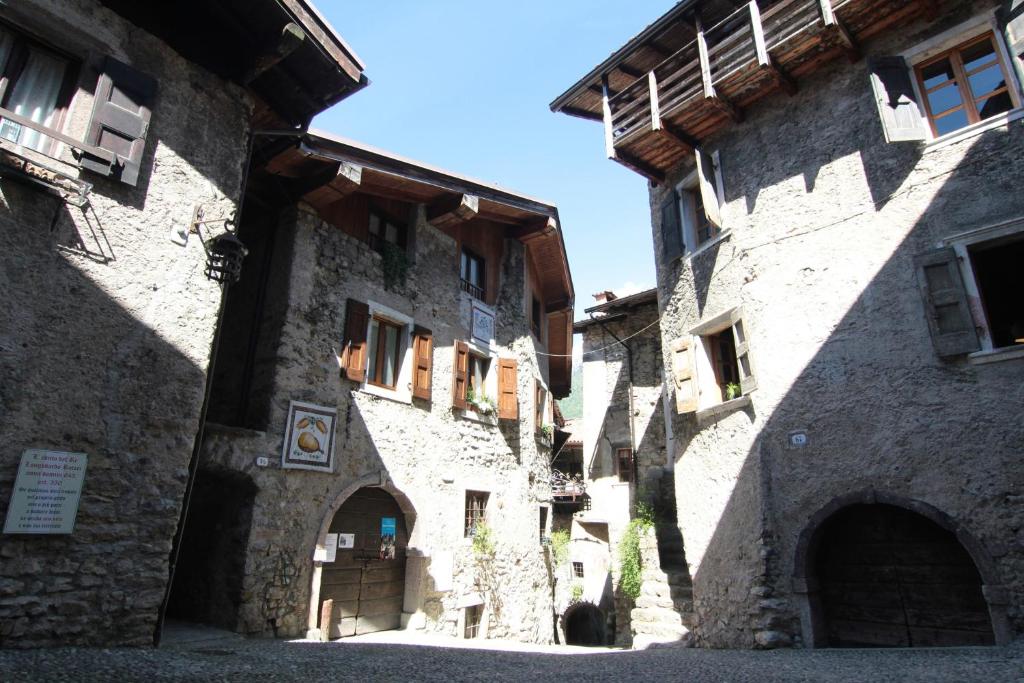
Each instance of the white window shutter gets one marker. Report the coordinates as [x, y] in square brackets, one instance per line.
[708, 187]
[1011, 19]
[896, 98]
[684, 375]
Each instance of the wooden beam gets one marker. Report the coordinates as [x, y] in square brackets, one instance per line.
[652, 91]
[335, 183]
[557, 306]
[757, 31]
[630, 71]
[726, 107]
[663, 51]
[705, 63]
[827, 15]
[453, 210]
[846, 40]
[606, 108]
[291, 37]
[666, 131]
[612, 92]
[783, 80]
[534, 229]
[648, 171]
[581, 113]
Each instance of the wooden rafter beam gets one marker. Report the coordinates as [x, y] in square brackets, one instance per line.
[764, 60]
[612, 92]
[581, 113]
[655, 175]
[291, 37]
[336, 182]
[630, 71]
[656, 47]
[557, 306]
[453, 210]
[846, 40]
[533, 229]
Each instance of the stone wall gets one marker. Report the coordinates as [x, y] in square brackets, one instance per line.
[823, 221]
[105, 332]
[425, 453]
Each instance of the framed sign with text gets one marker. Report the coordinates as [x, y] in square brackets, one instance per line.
[309, 437]
[46, 493]
[483, 325]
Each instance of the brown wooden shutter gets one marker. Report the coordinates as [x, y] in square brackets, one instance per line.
[120, 120]
[708, 187]
[353, 354]
[460, 374]
[684, 374]
[945, 302]
[671, 228]
[896, 100]
[423, 363]
[748, 382]
[508, 389]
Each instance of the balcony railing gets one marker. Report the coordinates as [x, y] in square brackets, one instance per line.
[567, 488]
[471, 289]
[728, 65]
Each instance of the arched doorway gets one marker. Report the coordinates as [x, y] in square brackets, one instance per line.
[366, 580]
[890, 577]
[584, 625]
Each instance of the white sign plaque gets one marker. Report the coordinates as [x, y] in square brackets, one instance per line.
[309, 439]
[46, 493]
[346, 541]
[483, 325]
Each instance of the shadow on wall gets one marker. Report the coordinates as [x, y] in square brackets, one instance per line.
[884, 415]
[79, 372]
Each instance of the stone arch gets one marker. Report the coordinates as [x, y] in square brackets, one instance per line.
[583, 623]
[377, 479]
[807, 586]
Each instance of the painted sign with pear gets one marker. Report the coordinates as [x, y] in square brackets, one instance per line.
[309, 438]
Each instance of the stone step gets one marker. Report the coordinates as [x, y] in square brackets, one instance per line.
[654, 615]
[661, 630]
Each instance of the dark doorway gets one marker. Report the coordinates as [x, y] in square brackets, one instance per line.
[367, 580]
[893, 578]
[208, 579]
[584, 625]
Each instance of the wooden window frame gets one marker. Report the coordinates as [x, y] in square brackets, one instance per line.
[472, 358]
[474, 617]
[10, 72]
[630, 457]
[476, 291]
[378, 241]
[577, 570]
[381, 350]
[962, 83]
[536, 313]
[471, 517]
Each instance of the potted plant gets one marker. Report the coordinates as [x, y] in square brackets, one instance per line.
[732, 390]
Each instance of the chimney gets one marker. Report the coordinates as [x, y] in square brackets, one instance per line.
[604, 297]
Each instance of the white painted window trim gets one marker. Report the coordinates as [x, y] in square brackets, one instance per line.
[961, 243]
[490, 384]
[704, 368]
[463, 487]
[948, 39]
[403, 385]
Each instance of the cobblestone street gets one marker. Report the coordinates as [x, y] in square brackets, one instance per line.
[395, 660]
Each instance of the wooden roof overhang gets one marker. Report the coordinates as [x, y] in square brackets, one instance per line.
[322, 170]
[702, 64]
[283, 51]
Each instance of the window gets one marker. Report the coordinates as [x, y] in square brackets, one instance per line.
[471, 274]
[964, 85]
[543, 524]
[474, 615]
[624, 464]
[577, 570]
[476, 509]
[535, 317]
[383, 230]
[384, 346]
[691, 217]
[33, 84]
[479, 368]
[712, 365]
[984, 266]
[540, 406]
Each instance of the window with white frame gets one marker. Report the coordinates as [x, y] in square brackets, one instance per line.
[691, 215]
[971, 291]
[712, 365]
[953, 82]
[378, 351]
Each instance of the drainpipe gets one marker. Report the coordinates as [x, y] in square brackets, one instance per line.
[629, 375]
[193, 464]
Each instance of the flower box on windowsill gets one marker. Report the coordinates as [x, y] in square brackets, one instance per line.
[543, 439]
[724, 408]
[477, 416]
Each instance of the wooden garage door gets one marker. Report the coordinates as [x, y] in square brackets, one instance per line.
[367, 591]
[892, 578]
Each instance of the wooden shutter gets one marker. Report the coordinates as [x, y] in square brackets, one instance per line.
[423, 363]
[508, 389]
[1011, 19]
[671, 228]
[684, 375]
[745, 366]
[353, 354]
[708, 187]
[945, 302]
[120, 120]
[896, 100]
[460, 375]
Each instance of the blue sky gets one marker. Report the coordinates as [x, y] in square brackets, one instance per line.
[465, 85]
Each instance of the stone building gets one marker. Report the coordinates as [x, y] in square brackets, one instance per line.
[838, 247]
[118, 120]
[379, 447]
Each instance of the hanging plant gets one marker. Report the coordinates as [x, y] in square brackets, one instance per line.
[396, 265]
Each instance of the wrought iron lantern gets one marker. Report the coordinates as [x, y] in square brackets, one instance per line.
[224, 256]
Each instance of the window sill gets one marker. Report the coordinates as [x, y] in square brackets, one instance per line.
[389, 394]
[720, 237]
[974, 129]
[473, 416]
[723, 408]
[996, 355]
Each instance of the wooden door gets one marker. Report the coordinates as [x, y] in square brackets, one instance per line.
[892, 578]
[367, 590]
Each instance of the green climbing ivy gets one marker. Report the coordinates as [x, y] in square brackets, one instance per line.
[560, 546]
[630, 566]
[483, 541]
[396, 265]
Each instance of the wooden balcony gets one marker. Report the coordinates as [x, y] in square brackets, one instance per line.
[743, 53]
